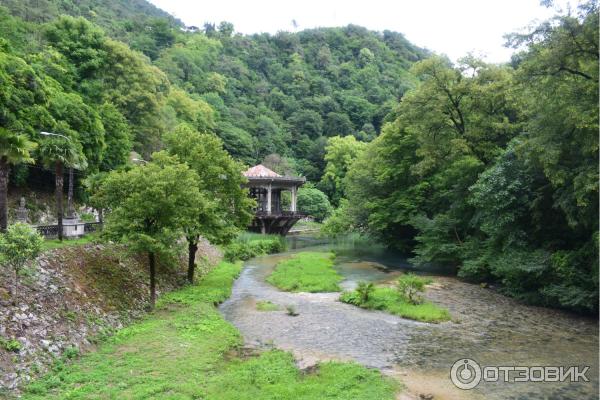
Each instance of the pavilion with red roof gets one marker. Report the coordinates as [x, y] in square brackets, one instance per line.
[266, 187]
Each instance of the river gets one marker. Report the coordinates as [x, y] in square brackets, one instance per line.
[486, 326]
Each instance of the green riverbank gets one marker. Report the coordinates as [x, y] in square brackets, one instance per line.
[186, 350]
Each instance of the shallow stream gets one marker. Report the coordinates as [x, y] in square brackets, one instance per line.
[487, 327]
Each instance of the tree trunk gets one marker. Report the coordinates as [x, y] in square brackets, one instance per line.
[192, 248]
[4, 171]
[70, 209]
[100, 215]
[59, 198]
[152, 264]
[16, 288]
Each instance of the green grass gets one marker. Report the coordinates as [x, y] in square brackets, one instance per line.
[50, 244]
[389, 300]
[266, 306]
[306, 272]
[185, 350]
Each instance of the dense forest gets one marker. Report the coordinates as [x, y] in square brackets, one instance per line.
[493, 169]
[488, 169]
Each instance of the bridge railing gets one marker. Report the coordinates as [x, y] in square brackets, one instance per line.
[279, 214]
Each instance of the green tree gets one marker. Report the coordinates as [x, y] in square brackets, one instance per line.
[84, 121]
[14, 149]
[93, 184]
[18, 245]
[117, 136]
[558, 80]
[109, 71]
[340, 222]
[340, 153]
[338, 124]
[57, 153]
[306, 122]
[225, 208]
[150, 205]
[313, 202]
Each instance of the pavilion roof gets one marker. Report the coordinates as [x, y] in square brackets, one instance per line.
[260, 171]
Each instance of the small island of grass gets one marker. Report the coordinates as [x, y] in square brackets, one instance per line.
[404, 300]
[266, 305]
[306, 272]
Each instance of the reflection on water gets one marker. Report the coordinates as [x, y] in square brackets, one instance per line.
[486, 326]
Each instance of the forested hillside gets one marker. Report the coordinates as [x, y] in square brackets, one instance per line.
[137, 22]
[491, 170]
[263, 94]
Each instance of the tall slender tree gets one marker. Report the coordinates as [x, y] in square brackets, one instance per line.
[14, 149]
[56, 153]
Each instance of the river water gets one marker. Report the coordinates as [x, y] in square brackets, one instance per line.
[486, 326]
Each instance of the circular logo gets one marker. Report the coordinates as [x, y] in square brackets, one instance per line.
[465, 374]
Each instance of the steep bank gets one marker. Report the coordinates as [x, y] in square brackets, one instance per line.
[71, 297]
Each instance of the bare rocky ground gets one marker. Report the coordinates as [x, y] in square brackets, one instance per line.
[71, 298]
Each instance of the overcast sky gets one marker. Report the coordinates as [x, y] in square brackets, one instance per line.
[451, 27]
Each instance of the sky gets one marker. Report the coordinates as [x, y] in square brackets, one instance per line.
[450, 27]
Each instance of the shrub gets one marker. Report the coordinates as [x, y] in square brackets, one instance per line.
[364, 291]
[20, 244]
[10, 344]
[410, 286]
[351, 297]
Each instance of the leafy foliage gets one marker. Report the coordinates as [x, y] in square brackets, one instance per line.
[245, 249]
[19, 245]
[494, 169]
[314, 203]
[151, 205]
[410, 286]
[340, 152]
[364, 291]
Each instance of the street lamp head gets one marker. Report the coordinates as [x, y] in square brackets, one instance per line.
[54, 134]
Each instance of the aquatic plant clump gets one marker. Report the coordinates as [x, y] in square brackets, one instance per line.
[403, 301]
[307, 272]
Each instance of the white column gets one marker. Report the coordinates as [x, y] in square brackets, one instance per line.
[293, 191]
[269, 199]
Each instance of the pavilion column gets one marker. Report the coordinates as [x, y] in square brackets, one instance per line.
[293, 207]
[269, 199]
